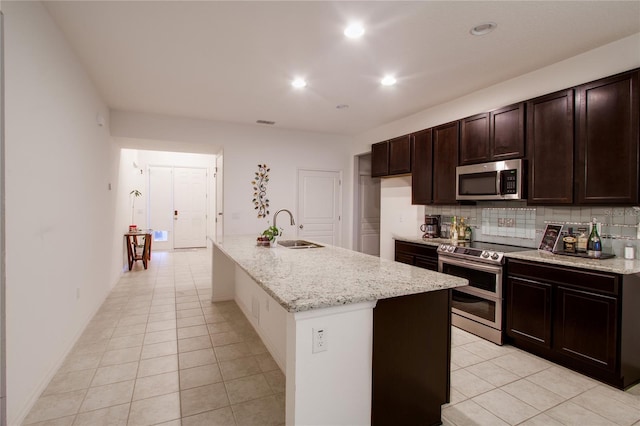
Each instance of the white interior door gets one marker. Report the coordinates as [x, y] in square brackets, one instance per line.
[369, 206]
[190, 207]
[319, 206]
[219, 197]
[161, 207]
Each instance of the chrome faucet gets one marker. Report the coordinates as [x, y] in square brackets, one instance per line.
[275, 217]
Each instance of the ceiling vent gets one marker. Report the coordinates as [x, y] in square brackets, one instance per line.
[270, 123]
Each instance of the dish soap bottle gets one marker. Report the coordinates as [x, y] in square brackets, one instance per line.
[594, 245]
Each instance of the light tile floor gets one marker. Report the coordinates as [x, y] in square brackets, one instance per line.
[502, 385]
[158, 352]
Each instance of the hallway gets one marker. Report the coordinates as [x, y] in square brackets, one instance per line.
[158, 352]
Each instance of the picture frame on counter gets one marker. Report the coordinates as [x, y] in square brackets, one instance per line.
[550, 238]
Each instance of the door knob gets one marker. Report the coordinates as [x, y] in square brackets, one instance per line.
[301, 226]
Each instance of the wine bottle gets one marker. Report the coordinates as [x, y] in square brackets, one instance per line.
[594, 245]
[454, 229]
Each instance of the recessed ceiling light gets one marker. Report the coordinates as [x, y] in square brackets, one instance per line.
[298, 83]
[484, 28]
[354, 30]
[388, 80]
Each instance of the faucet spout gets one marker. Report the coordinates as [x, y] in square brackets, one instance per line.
[275, 217]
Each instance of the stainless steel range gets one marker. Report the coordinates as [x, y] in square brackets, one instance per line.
[477, 308]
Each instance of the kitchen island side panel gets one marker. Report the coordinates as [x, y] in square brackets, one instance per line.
[411, 358]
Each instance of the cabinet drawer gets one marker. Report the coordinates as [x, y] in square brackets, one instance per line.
[426, 263]
[404, 258]
[587, 280]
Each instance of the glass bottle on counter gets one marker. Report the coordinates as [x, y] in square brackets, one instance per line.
[594, 245]
[454, 229]
[461, 229]
[582, 238]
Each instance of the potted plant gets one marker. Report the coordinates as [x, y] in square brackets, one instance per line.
[272, 233]
[134, 194]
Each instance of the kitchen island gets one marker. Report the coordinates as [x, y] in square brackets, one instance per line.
[361, 340]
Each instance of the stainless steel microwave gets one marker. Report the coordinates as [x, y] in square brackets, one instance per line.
[499, 180]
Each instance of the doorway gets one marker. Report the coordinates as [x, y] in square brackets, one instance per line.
[178, 206]
[366, 229]
[320, 206]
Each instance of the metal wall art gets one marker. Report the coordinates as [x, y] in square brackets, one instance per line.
[260, 200]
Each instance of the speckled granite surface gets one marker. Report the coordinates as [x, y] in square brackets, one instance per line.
[617, 265]
[304, 279]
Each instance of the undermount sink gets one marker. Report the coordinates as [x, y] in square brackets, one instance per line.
[298, 244]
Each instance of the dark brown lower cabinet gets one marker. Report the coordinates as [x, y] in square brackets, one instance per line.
[411, 359]
[586, 327]
[585, 320]
[529, 311]
[419, 255]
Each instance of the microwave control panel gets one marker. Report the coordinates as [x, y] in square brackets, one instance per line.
[509, 182]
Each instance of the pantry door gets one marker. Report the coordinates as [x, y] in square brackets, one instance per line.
[189, 207]
[319, 206]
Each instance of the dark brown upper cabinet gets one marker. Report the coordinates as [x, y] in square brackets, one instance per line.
[422, 168]
[507, 132]
[474, 139]
[391, 157]
[380, 159]
[550, 148]
[607, 113]
[493, 136]
[445, 159]
[400, 155]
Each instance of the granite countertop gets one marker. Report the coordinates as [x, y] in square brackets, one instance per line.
[305, 279]
[616, 265]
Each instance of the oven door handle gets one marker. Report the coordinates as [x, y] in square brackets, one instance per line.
[478, 292]
[471, 265]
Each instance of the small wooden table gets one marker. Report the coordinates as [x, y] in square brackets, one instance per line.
[138, 250]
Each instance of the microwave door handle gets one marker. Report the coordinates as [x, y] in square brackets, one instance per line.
[498, 183]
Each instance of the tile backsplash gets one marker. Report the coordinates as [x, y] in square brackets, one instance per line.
[515, 223]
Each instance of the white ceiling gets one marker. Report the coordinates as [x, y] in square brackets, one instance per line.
[233, 61]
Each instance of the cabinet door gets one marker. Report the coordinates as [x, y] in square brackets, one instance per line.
[445, 161]
[507, 132]
[474, 139]
[529, 311]
[380, 159]
[550, 148]
[586, 327]
[400, 155]
[607, 140]
[422, 168]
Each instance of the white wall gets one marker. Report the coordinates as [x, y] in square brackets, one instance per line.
[610, 59]
[244, 148]
[59, 212]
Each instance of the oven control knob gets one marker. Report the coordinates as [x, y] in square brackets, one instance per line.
[495, 256]
[485, 254]
[450, 249]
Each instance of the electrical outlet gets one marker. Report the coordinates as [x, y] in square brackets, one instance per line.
[319, 339]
